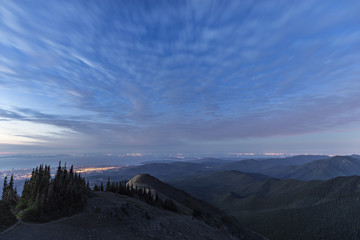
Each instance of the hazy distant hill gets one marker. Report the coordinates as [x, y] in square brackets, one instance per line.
[170, 171]
[324, 169]
[211, 161]
[179, 170]
[314, 168]
[285, 209]
[295, 160]
[271, 167]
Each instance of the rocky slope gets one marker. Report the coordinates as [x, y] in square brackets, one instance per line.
[113, 216]
[187, 205]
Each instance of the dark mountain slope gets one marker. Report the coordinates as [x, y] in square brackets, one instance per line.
[113, 216]
[331, 220]
[188, 205]
[312, 210]
[289, 209]
[275, 193]
[215, 185]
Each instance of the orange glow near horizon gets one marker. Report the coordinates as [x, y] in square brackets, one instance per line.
[95, 169]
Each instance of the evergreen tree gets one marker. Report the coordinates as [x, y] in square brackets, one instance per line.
[107, 189]
[143, 194]
[9, 195]
[44, 198]
[5, 186]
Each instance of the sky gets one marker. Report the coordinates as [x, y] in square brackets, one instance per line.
[180, 76]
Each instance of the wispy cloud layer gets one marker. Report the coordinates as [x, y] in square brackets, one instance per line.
[145, 74]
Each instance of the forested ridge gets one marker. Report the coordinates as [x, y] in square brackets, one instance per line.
[44, 198]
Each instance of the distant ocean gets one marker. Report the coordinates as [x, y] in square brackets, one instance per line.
[13, 162]
[22, 161]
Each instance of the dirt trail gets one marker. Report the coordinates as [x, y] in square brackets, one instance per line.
[11, 227]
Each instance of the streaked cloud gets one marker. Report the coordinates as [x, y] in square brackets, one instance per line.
[130, 74]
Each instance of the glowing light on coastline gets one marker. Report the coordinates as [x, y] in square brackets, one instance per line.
[95, 169]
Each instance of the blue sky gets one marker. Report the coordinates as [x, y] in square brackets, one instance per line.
[180, 76]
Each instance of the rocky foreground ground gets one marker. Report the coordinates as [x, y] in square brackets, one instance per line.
[113, 216]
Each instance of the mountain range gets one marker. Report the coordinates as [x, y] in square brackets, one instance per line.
[300, 197]
[303, 167]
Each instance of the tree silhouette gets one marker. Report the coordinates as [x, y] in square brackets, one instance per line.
[44, 198]
[9, 195]
[144, 194]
